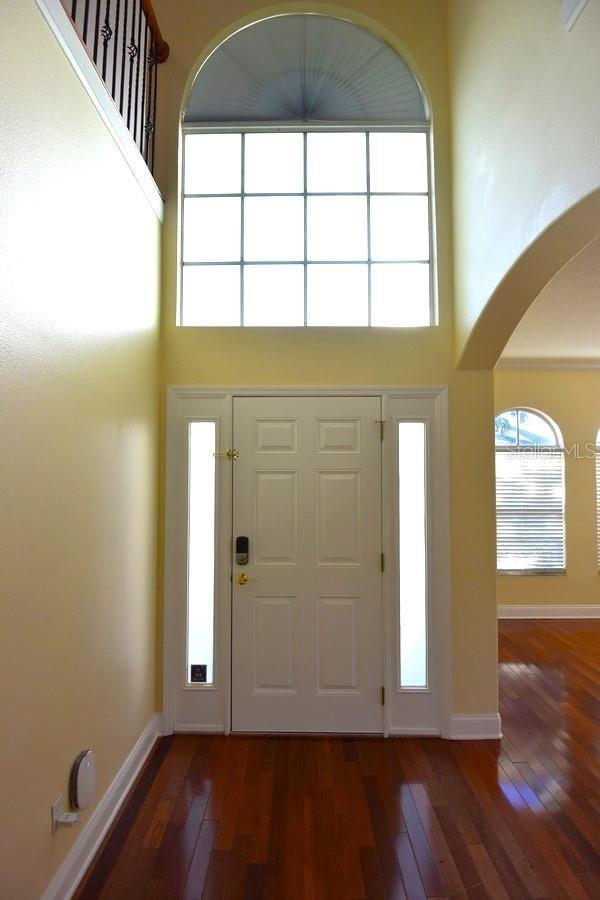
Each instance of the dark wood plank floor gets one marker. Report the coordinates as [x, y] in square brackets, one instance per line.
[287, 818]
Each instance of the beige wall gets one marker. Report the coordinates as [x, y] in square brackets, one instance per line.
[571, 399]
[355, 356]
[78, 394]
[525, 145]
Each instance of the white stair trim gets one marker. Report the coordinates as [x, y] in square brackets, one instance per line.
[550, 611]
[79, 857]
[475, 727]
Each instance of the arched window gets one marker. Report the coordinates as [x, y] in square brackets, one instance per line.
[305, 183]
[530, 493]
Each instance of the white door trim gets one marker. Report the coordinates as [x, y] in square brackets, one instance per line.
[179, 397]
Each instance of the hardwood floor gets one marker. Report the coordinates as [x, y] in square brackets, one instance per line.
[291, 818]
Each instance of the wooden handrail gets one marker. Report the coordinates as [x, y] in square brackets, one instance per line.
[162, 48]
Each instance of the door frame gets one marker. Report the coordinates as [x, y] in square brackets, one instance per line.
[428, 710]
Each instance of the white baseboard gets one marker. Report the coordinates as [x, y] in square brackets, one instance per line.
[403, 731]
[77, 861]
[198, 729]
[554, 611]
[475, 727]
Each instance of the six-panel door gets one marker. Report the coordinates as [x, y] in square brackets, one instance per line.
[307, 615]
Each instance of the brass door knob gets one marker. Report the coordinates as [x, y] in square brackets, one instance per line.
[242, 578]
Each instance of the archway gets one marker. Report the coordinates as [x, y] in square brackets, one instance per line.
[541, 261]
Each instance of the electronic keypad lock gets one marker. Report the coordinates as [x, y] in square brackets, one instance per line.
[241, 550]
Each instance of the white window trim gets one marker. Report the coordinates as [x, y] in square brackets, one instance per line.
[286, 127]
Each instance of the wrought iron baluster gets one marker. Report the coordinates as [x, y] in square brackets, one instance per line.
[143, 96]
[132, 51]
[153, 121]
[86, 16]
[107, 33]
[113, 91]
[123, 56]
[96, 31]
[74, 10]
[149, 123]
[137, 78]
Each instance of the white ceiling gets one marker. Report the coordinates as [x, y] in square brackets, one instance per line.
[563, 323]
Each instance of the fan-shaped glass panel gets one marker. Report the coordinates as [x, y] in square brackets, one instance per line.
[525, 428]
[305, 68]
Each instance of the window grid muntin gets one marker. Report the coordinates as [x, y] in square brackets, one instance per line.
[242, 221]
[305, 185]
[369, 239]
[244, 129]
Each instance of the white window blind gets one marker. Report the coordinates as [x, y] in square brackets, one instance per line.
[530, 509]
[305, 68]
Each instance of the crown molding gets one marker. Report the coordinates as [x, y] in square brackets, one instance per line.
[550, 363]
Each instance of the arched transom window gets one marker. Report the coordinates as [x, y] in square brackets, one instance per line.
[530, 493]
[305, 188]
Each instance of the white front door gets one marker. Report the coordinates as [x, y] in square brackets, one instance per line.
[307, 643]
